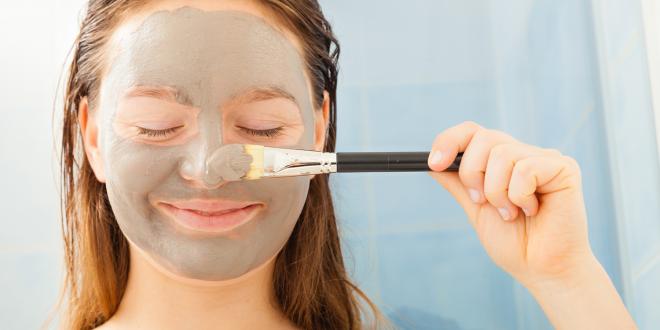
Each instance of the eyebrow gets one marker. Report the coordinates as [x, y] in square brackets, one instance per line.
[175, 95]
[261, 94]
[160, 92]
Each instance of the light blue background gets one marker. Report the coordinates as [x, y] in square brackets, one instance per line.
[534, 69]
[567, 74]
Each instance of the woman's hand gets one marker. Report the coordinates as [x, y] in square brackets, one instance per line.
[526, 205]
[525, 202]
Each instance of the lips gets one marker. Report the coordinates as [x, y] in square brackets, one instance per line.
[215, 216]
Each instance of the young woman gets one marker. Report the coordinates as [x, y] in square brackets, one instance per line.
[155, 240]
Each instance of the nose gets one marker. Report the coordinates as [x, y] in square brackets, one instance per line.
[194, 166]
[227, 163]
[195, 172]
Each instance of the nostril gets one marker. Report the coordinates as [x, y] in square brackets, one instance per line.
[198, 176]
[195, 171]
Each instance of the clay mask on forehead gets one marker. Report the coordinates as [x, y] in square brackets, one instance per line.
[207, 57]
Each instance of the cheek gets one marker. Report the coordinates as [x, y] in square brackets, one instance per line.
[134, 170]
[286, 198]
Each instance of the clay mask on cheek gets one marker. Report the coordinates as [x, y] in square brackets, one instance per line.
[208, 57]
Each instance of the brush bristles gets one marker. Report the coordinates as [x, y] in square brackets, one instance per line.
[257, 166]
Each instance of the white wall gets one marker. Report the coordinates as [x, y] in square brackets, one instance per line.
[35, 37]
[651, 11]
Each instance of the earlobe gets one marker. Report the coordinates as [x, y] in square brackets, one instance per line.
[89, 132]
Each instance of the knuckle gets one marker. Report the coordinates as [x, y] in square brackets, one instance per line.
[470, 124]
[516, 196]
[482, 135]
[463, 171]
[438, 138]
[502, 136]
[572, 163]
[440, 142]
[468, 174]
[523, 169]
[553, 152]
[491, 193]
[498, 152]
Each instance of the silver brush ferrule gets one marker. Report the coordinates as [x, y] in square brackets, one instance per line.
[291, 162]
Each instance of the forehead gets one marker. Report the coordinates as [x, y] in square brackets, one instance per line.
[197, 51]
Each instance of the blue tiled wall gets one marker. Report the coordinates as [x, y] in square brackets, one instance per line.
[413, 68]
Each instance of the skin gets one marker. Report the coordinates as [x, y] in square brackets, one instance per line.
[526, 206]
[227, 81]
[241, 55]
[547, 251]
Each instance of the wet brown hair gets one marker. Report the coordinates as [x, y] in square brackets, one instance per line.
[310, 281]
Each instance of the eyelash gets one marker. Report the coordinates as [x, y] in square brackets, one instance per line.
[164, 132]
[157, 132]
[265, 133]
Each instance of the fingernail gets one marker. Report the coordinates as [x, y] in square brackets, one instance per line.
[436, 157]
[526, 211]
[504, 213]
[474, 195]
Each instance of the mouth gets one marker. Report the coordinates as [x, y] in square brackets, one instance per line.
[215, 216]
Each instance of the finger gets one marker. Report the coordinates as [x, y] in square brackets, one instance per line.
[449, 143]
[453, 184]
[475, 159]
[542, 175]
[501, 161]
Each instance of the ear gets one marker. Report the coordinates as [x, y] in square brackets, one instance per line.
[89, 131]
[321, 122]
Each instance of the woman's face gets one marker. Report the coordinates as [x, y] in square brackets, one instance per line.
[179, 86]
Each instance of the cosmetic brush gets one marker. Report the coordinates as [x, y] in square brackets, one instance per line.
[280, 162]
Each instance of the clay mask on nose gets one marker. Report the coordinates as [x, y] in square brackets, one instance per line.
[207, 57]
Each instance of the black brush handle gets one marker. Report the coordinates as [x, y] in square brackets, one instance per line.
[388, 162]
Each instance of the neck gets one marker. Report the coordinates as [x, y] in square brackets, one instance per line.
[157, 299]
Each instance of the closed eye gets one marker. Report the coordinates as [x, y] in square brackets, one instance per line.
[158, 132]
[272, 132]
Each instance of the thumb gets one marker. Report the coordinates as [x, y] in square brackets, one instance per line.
[453, 184]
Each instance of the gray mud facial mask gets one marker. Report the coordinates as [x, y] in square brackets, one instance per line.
[209, 56]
